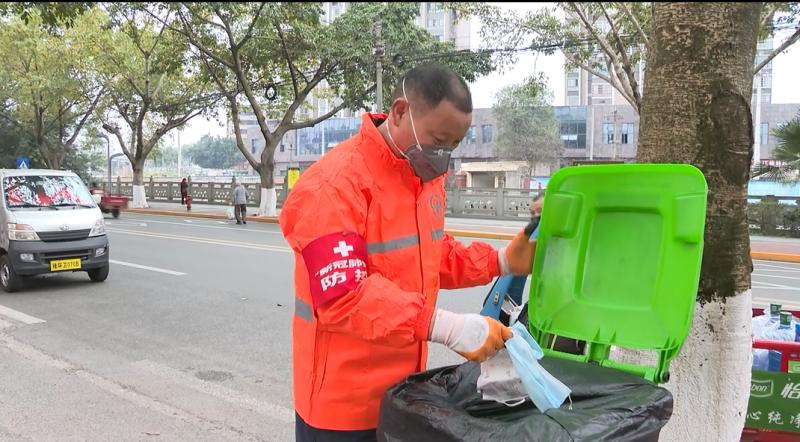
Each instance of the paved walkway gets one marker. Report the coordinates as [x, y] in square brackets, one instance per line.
[763, 247]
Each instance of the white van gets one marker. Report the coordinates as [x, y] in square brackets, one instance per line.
[49, 223]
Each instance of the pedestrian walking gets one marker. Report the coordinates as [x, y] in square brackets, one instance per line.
[240, 203]
[184, 190]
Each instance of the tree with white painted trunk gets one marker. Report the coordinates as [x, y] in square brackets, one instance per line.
[272, 58]
[153, 84]
[696, 109]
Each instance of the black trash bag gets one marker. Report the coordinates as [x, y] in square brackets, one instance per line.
[443, 405]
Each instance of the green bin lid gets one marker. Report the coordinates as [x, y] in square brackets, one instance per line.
[618, 260]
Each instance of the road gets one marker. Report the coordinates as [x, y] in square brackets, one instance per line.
[189, 339]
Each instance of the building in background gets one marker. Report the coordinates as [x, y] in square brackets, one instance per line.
[443, 24]
[589, 133]
[765, 47]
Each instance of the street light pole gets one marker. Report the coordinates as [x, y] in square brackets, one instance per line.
[379, 52]
[108, 151]
[757, 128]
[180, 154]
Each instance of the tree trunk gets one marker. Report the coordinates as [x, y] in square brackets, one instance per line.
[52, 159]
[696, 109]
[139, 195]
[269, 198]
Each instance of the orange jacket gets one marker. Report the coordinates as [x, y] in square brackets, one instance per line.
[370, 257]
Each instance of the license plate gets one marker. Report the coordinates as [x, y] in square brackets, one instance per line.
[65, 264]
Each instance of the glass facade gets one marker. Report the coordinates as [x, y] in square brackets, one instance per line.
[627, 133]
[486, 131]
[608, 133]
[572, 123]
[323, 137]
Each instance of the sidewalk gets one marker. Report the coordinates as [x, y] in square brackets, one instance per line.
[762, 247]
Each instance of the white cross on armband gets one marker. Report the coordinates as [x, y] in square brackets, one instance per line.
[344, 249]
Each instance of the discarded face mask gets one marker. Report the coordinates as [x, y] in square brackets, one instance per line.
[500, 382]
[515, 373]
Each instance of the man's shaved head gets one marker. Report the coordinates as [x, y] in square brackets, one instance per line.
[432, 83]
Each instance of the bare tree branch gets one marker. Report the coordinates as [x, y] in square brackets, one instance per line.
[254, 163]
[190, 36]
[590, 28]
[623, 86]
[249, 33]
[114, 130]
[315, 121]
[319, 75]
[607, 78]
[769, 17]
[244, 83]
[220, 83]
[630, 86]
[636, 23]
[86, 116]
[11, 120]
[158, 37]
[292, 68]
[789, 41]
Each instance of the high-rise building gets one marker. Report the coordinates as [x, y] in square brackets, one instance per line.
[765, 74]
[583, 88]
[441, 22]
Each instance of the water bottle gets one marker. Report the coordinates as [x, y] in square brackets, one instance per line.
[763, 325]
[763, 328]
[785, 333]
[760, 359]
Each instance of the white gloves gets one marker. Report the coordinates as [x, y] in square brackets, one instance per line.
[474, 337]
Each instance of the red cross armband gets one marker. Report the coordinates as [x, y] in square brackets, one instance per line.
[336, 264]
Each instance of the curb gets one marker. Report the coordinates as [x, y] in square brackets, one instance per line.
[766, 256]
[480, 235]
[782, 257]
[258, 219]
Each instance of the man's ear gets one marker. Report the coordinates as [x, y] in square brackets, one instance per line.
[398, 110]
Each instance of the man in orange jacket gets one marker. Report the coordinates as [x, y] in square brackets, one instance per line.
[366, 223]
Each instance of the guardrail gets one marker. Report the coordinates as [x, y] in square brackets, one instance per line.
[205, 192]
[768, 215]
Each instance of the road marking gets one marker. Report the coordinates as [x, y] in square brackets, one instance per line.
[19, 316]
[152, 269]
[206, 226]
[772, 285]
[126, 223]
[188, 221]
[218, 242]
[776, 276]
[788, 269]
[759, 269]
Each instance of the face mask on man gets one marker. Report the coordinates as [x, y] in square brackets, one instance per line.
[428, 161]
